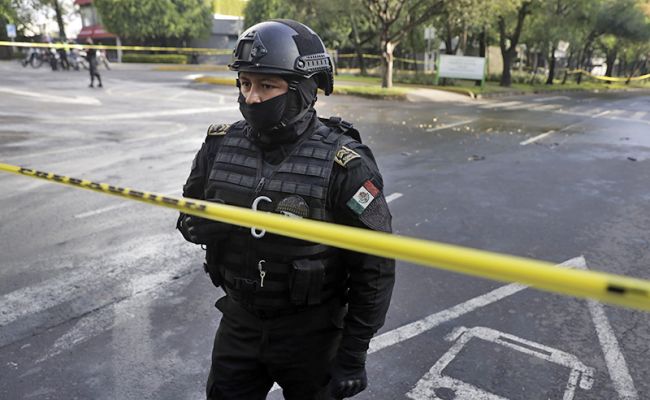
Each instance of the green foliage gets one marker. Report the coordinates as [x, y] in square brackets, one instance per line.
[156, 20]
[155, 58]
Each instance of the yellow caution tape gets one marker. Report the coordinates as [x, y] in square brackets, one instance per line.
[404, 60]
[110, 47]
[610, 78]
[609, 288]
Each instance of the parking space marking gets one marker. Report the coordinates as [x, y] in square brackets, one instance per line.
[580, 376]
[552, 98]
[150, 114]
[500, 105]
[121, 204]
[393, 196]
[536, 138]
[85, 100]
[614, 358]
[438, 128]
[639, 114]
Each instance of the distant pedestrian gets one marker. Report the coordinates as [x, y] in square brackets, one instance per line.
[63, 56]
[91, 57]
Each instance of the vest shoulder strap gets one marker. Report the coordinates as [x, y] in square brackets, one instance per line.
[345, 127]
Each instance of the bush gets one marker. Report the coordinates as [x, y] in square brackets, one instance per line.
[155, 58]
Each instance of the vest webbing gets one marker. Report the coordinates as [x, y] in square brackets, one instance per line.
[239, 176]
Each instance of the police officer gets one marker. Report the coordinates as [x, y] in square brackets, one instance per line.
[298, 313]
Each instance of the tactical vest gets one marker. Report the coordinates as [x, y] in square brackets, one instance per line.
[273, 272]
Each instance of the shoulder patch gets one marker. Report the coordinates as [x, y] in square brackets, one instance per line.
[218, 129]
[345, 155]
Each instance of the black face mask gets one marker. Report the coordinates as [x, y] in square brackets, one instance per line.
[263, 116]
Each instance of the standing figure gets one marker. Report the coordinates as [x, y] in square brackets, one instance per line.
[297, 313]
[91, 57]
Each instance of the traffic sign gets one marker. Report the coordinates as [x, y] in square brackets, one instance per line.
[11, 31]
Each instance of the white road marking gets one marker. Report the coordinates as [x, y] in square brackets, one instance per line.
[614, 358]
[416, 328]
[552, 98]
[166, 113]
[53, 99]
[500, 105]
[545, 107]
[97, 322]
[393, 196]
[518, 106]
[37, 298]
[601, 114]
[180, 129]
[438, 128]
[121, 204]
[639, 114]
[580, 374]
[192, 77]
[536, 138]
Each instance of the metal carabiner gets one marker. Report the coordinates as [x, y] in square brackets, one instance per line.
[254, 231]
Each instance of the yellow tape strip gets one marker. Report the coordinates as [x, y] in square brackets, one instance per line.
[609, 78]
[609, 288]
[405, 60]
[110, 47]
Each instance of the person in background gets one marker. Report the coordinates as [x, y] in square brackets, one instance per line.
[91, 57]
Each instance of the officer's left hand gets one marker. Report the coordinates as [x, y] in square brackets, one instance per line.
[202, 231]
[348, 376]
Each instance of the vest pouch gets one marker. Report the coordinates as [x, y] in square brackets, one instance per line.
[213, 273]
[306, 282]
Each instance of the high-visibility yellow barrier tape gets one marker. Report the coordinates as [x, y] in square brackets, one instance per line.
[111, 47]
[610, 78]
[404, 60]
[609, 288]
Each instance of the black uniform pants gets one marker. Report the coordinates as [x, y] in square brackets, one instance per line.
[250, 353]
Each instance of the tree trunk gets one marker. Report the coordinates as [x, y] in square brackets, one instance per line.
[59, 19]
[551, 67]
[568, 66]
[610, 59]
[482, 43]
[508, 52]
[506, 77]
[387, 48]
[357, 47]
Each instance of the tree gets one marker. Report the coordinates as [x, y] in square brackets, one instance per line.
[156, 21]
[619, 22]
[59, 10]
[394, 19]
[509, 38]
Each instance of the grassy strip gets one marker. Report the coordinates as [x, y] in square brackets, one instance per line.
[374, 92]
[201, 67]
[468, 88]
[369, 87]
[362, 90]
[216, 80]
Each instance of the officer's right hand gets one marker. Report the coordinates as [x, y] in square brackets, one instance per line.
[202, 231]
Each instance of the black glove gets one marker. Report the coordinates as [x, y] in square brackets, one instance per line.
[348, 375]
[202, 231]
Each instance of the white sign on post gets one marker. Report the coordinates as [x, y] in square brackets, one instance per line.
[11, 31]
[462, 67]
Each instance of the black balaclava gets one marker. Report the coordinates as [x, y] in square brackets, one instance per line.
[281, 119]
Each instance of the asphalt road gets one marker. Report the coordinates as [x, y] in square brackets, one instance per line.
[101, 299]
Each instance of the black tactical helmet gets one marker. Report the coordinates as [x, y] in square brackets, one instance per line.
[284, 47]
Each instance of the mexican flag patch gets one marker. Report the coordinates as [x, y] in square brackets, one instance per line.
[363, 197]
